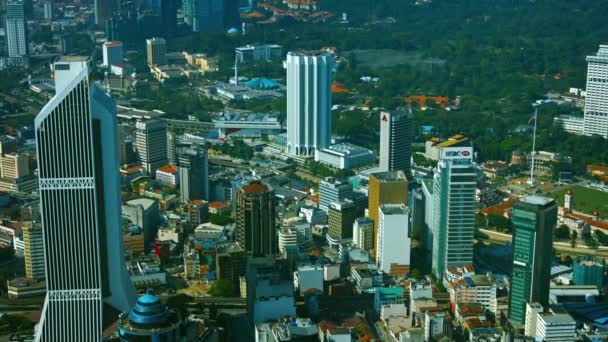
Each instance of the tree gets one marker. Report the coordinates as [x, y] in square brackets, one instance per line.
[499, 222]
[416, 274]
[562, 232]
[179, 302]
[480, 220]
[573, 237]
[600, 237]
[222, 288]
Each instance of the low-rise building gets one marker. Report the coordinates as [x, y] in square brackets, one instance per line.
[345, 156]
[201, 61]
[555, 327]
[308, 278]
[474, 289]
[168, 175]
[25, 287]
[258, 52]
[387, 295]
[366, 276]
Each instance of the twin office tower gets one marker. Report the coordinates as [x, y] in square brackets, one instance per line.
[76, 142]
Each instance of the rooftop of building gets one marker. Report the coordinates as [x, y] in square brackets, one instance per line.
[389, 176]
[390, 291]
[68, 59]
[453, 140]
[144, 202]
[347, 148]
[168, 168]
[218, 205]
[246, 117]
[536, 200]
[255, 187]
[252, 46]
[393, 209]
[113, 43]
[556, 318]
[309, 53]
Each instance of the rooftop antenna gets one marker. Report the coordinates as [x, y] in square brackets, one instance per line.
[535, 118]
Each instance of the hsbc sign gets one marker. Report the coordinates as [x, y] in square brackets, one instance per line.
[457, 153]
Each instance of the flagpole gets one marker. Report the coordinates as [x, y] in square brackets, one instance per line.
[533, 147]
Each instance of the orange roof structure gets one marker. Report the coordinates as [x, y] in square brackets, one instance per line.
[338, 87]
[218, 205]
[593, 223]
[255, 187]
[500, 208]
[168, 168]
[597, 168]
[442, 101]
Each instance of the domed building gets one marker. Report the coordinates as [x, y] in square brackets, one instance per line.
[149, 320]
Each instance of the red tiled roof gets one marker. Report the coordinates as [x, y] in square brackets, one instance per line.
[218, 205]
[593, 223]
[168, 168]
[255, 187]
[500, 208]
[598, 168]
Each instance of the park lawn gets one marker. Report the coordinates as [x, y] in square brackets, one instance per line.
[586, 200]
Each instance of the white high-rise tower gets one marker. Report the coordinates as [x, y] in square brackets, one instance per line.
[309, 76]
[16, 31]
[80, 207]
[596, 103]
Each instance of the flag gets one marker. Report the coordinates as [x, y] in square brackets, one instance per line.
[532, 118]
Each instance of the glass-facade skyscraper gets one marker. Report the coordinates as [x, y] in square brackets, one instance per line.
[533, 220]
[80, 207]
[453, 224]
[396, 141]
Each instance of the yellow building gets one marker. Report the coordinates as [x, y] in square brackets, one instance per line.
[33, 250]
[201, 61]
[385, 188]
[133, 243]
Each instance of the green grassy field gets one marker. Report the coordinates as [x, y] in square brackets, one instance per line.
[586, 200]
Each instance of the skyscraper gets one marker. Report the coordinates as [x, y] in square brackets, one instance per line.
[394, 243]
[193, 174]
[454, 186]
[596, 102]
[341, 217]
[151, 144]
[104, 9]
[33, 250]
[385, 188]
[16, 32]
[204, 15]
[395, 141]
[309, 76]
[80, 207]
[255, 219]
[533, 220]
[112, 53]
[363, 233]
[156, 49]
[332, 190]
[168, 14]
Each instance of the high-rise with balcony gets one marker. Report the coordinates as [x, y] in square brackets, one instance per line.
[255, 219]
[395, 141]
[534, 218]
[453, 226]
[151, 144]
[79, 190]
[15, 30]
[385, 188]
[596, 102]
[309, 75]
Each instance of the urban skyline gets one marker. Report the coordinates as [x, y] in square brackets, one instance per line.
[222, 170]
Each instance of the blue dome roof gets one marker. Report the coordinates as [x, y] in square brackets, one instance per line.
[148, 311]
[261, 83]
[234, 30]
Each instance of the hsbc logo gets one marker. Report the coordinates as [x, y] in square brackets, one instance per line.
[456, 152]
